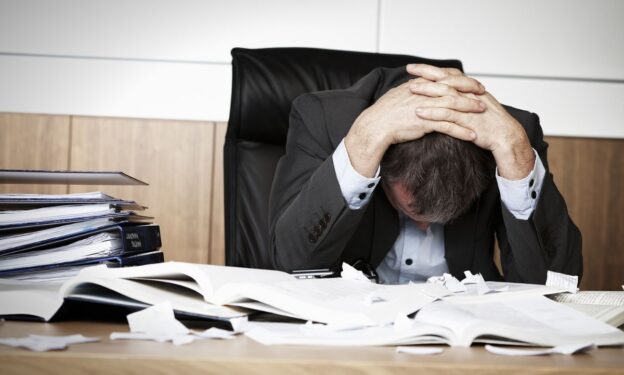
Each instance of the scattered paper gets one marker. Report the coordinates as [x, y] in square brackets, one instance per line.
[158, 323]
[215, 333]
[350, 273]
[157, 320]
[453, 285]
[449, 282]
[472, 279]
[561, 280]
[239, 324]
[315, 328]
[419, 350]
[403, 323]
[568, 349]
[39, 343]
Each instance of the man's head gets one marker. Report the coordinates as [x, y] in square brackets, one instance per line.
[435, 178]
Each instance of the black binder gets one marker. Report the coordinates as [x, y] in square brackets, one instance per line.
[136, 240]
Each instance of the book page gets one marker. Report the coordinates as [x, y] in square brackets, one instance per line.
[612, 298]
[208, 278]
[151, 293]
[612, 315]
[34, 299]
[334, 300]
[535, 320]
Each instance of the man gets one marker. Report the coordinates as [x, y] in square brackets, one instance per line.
[434, 135]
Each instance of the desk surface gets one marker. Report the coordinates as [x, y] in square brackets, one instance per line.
[245, 356]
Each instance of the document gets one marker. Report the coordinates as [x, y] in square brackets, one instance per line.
[533, 320]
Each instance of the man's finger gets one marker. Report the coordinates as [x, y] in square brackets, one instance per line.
[432, 89]
[464, 84]
[449, 128]
[430, 72]
[443, 114]
[458, 103]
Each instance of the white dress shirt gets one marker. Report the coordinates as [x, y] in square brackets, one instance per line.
[418, 254]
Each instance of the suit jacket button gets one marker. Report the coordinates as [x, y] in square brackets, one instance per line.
[327, 217]
[312, 238]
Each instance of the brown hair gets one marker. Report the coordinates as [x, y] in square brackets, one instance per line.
[444, 175]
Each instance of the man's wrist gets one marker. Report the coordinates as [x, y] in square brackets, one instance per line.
[514, 160]
[364, 148]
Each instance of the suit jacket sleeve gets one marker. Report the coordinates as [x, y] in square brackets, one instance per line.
[310, 223]
[548, 240]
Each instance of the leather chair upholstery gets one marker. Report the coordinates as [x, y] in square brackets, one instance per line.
[264, 83]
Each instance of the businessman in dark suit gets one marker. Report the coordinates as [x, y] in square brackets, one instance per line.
[416, 171]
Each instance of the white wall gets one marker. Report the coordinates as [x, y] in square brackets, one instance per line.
[170, 59]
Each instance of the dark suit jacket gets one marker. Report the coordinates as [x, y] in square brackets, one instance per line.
[312, 226]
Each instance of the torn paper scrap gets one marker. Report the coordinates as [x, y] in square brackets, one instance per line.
[472, 279]
[156, 320]
[453, 285]
[448, 281]
[561, 280]
[419, 350]
[39, 343]
[240, 324]
[567, 349]
[158, 323]
[215, 333]
[350, 273]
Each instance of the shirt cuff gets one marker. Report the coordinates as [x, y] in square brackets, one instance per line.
[520, 196]
[356, 189]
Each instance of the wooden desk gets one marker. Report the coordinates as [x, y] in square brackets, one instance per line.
[244, 356]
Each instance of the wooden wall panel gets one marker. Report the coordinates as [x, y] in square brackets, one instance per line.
[33, 142]
[174, 157]
[590, 175]
[183, 162]
[217, 227]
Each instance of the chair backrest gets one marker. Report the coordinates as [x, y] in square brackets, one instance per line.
[264, 83]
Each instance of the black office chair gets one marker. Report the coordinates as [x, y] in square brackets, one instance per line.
[264, 83]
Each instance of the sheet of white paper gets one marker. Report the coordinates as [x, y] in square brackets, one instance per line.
[239, 324]
[567, 349]
[215, 333]
[39, 343]
[470, 278]
[158, 323]
[567, 282]
[419, 350]
[350, 273]
[454, 285]
[157, 320]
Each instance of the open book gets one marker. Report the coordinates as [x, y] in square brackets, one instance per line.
[606, 306]
[520, 320]
[202, 290]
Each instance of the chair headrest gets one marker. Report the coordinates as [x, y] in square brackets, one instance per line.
[265, 82]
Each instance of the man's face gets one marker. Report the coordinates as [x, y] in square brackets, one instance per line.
[401, 199]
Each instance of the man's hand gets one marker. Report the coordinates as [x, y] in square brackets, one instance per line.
[496, 130]
[393, 119]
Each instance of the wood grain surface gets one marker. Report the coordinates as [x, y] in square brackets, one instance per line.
[174, 157]
[244, 356]
[34, 142]
[590, 175]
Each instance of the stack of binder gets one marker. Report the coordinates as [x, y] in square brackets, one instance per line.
[51, 237]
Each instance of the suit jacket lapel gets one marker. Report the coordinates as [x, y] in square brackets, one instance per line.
[459, 242]
[386, 227]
